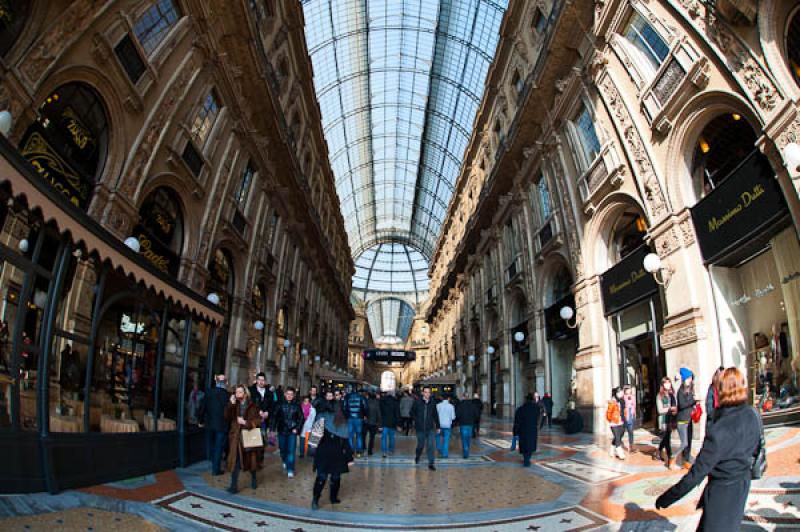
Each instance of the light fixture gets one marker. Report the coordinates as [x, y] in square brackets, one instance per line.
[490, 349]
[459, 363]
[791, 154]
[304, 352]
[287, 343]
[567, 314]
[449, 368]
[736, 116]
[703, 143]
[258, 325]
[652, 264]
[519, 336]
[471, 358]
[171, 348]
[6, 120]
[23, 245]
[213, 298]
[133, 243]
[316, 358]
[327, 363]
[40, 298]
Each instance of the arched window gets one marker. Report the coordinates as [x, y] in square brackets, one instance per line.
[628, 234]
[12, 20]
[222, 278]
[68, 142]
[388, 381]
[793, 45]
[724, 143]
[259, 300]
[160, 230]
[562, 286]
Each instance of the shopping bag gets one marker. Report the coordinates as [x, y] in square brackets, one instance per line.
[251, 438]
[317, 431]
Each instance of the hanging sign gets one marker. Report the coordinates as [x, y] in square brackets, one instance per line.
[56, 171]
[155, 252]
[739, 210]
[627, 282]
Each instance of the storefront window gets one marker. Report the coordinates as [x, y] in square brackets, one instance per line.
[725, 142]
[196, 377]
[67, 143]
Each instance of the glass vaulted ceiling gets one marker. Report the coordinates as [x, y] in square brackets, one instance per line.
[399, 83]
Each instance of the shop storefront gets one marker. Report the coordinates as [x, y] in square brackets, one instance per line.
[103, 355]
[633, 307]
[753, 259]
[562, 344]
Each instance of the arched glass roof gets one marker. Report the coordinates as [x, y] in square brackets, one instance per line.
[390, 320]
[399, 83]
[391, 268]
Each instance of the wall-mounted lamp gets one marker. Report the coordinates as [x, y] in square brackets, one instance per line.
[133, 243]
[258, 325]
[304, 352]
[567, 313]
[317, 358]
[519, 336]
[287, 343]
[652, 264]
[471, 358]
[490, 349]
[6, 121]
[23, 245]
[459, 363]
[213, 298]
[791, 154]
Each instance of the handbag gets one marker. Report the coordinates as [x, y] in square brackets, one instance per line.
[251, 438]
[759, 466]
[697, 413]
[317, 431]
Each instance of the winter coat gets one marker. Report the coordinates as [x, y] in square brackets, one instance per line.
[447, 414]
[726, 458]
[425, 415]
[666, 420]
[406, 404]
[526, 426]
[466, 414]
[288, 417]
[711, 404]
[247, 458]
[547, 403]
[614, 413]
[213, 408]
[479, 408]
[333, 454]
[373, 412]
[686, 403]
[355, 406]
[265, 404]
[390, 411]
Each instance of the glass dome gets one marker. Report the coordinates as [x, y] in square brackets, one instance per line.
[391, 268]
[390, 320]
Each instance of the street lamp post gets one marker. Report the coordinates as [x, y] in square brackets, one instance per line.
[519, 337]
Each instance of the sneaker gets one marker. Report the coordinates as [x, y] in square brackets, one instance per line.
[291, 474]
[416, 460]
[384, 455]
[620, 453]
[612, 452]
[431, 467]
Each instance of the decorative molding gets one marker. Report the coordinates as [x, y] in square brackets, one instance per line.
[681, 336]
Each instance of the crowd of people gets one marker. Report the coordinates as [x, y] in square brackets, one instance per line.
[731, 455]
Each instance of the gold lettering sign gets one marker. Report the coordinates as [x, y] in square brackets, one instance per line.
[635, 277]
[746, 200]
[159, 261]
[80, 134]
[55, 170]
[165, 224]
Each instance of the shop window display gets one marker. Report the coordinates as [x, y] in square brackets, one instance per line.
[196, 377]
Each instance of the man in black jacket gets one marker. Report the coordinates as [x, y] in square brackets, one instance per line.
[466, 418]
[212, 412]
[262, 398]
[476, 400]
[390, 417]
[288, 422]
[426, 424]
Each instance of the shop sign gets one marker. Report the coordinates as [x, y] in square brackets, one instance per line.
[743, 206]
[627, 282]
[386, 355]
[155, 252]
[555, 327]
[55, 170]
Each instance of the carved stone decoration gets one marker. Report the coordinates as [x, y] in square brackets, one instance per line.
[138, 166]
[71, 22]
[790, 134]
[634, 145]
[678, 337]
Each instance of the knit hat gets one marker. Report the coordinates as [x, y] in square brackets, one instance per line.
[686, 373]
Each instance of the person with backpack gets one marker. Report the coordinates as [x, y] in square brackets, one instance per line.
[616, 422]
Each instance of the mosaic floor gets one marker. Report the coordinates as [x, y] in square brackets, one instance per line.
[573, 485]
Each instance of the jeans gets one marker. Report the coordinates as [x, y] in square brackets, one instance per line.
[617, 432]
[406, 424]
[466, 434]
[443, 443]
[684, 452]
[514, 443]
[387, 440]
[354, 428]
[629, 429]
[426, 439]
[287, 444]
[666, 440]
[218, 439]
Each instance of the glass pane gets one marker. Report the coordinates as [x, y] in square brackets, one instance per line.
[196, 376]
[154, 24]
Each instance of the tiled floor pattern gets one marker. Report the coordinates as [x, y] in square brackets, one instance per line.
[573, 485]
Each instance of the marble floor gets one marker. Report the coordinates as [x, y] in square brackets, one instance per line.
[573, 485]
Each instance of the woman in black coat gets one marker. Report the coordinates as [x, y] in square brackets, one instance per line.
[526, 425]
[334, 454]
[726, 459]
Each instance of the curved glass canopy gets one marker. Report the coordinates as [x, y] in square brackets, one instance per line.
[391, 268]
[390, 320]
[399, 83]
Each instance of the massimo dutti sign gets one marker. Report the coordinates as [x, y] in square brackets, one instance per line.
[627, 282]
[742, 206]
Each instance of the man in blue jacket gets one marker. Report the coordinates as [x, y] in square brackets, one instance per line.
[355, 407]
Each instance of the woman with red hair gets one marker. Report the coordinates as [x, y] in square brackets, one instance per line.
[729, 448]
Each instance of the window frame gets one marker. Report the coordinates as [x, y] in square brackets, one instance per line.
[241, 194]
[583, 159]
[201, 141]
[155, 5]
[644, 59]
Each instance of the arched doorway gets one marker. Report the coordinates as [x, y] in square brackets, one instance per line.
[523, 375]
[160, 230]
[222, 282]
[68, 142]
[562, 341]
[751, 250]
